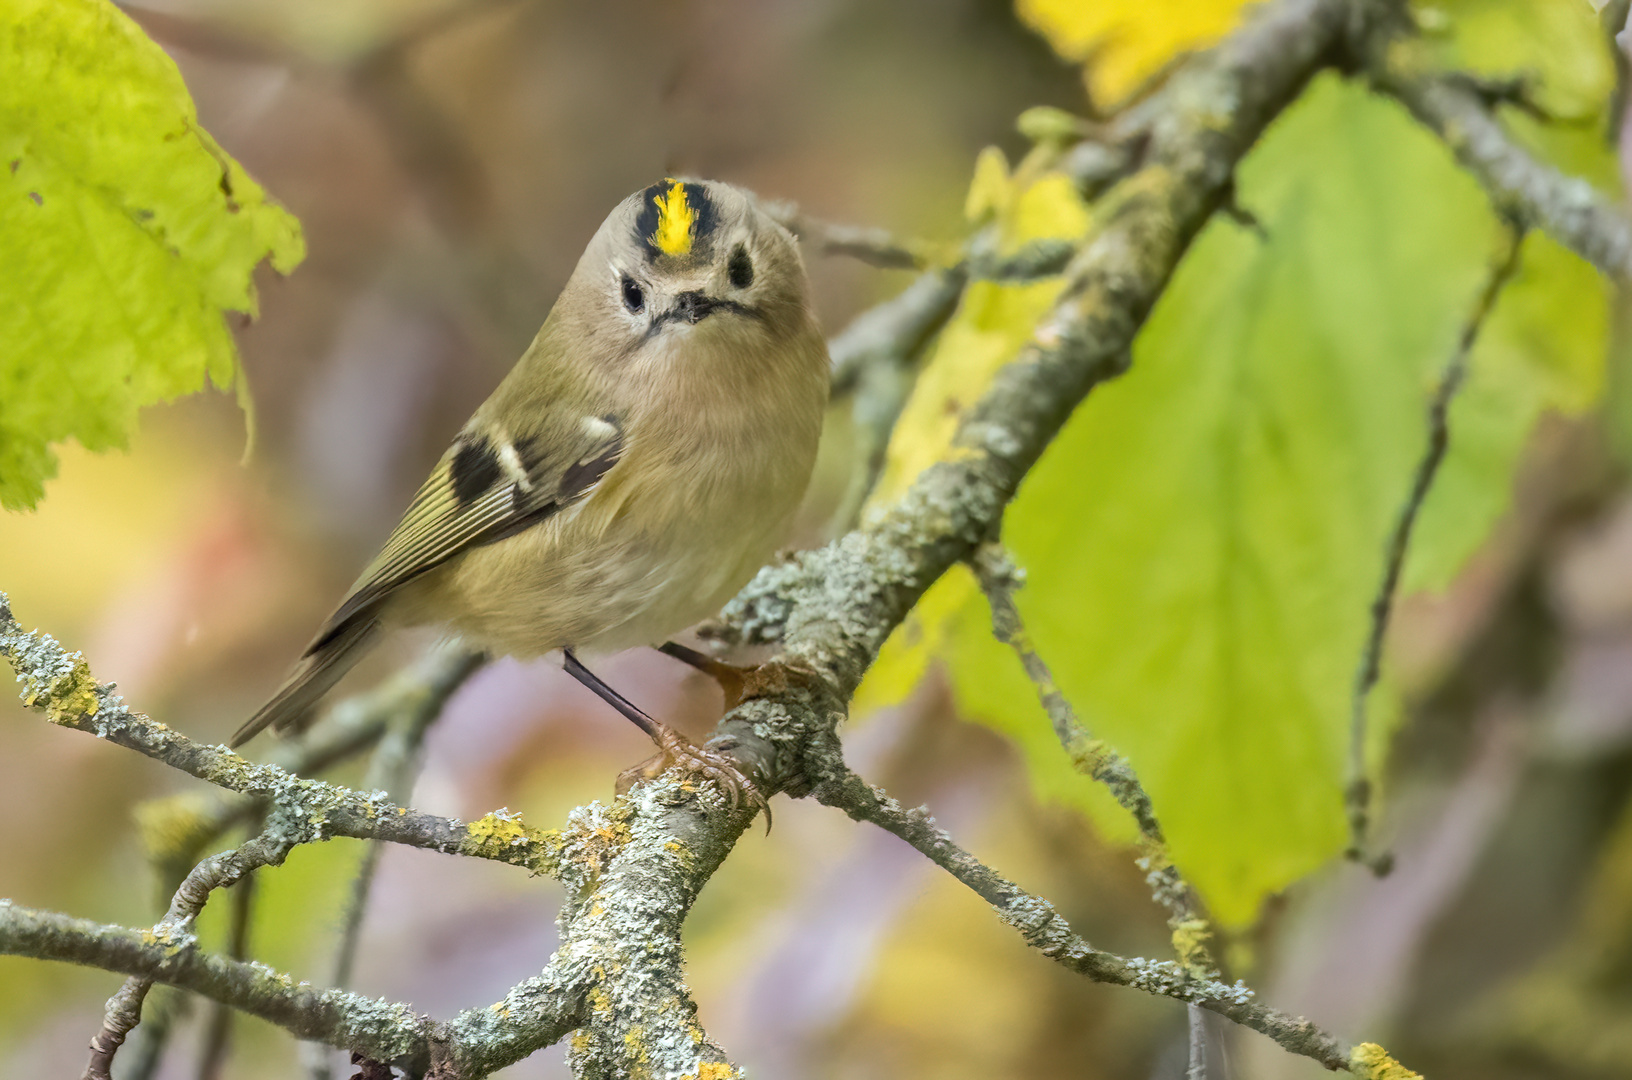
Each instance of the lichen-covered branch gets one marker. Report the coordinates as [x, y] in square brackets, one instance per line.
[177, 829]
[1047, 931]
[999, 578]
[60, 684]
[1524, 190]
[221, 871]
[541, 1009]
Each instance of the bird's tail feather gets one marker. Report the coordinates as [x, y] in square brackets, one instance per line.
[316, 673]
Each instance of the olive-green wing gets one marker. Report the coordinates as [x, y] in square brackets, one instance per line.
[480, 492]
[483, 490]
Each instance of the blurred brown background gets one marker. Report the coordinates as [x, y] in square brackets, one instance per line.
[449, 161]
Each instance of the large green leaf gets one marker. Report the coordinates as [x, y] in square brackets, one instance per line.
[1205, 536]
[127, 232]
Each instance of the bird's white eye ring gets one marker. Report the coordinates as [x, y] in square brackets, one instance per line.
[633, 298]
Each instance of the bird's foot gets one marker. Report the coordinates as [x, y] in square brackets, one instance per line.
[769, 679]
[740, 684]
[675, 750]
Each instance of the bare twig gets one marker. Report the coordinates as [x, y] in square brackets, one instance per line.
[218, 1030]
[873, 246]
[1196, 1020]
[1357, 793]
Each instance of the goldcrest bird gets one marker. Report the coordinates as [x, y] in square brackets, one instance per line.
[635, 468]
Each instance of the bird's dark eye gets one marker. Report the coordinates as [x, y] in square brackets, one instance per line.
[633, 298]
[741, 268]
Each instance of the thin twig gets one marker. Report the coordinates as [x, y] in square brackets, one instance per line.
[124, 1009]
[1196, 1069]
[875, 360]
[873, 246]
[393, 770]
[1357, 793]
[1524, 189]
[1047, 931]
[999, 579]
[218, 1029]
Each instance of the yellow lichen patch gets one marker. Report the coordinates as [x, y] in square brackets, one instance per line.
[634, 1042]
[683, 855]
[601, 844]
[1089, 755]
[68, 697]
[675, 219]
[599, 1001]
[582, 1042]
[1372, 1062]
[715, 1070]
[497, 830]
[1190, 944]
[502, 835]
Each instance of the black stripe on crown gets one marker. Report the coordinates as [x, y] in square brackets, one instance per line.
[706, 219]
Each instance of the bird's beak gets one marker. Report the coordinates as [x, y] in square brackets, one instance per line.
[694, 307]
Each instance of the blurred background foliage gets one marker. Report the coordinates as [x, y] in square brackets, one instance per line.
[1202, 542]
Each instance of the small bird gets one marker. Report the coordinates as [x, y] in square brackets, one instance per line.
[633, 470]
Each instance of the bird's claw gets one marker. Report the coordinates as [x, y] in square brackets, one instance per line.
[675, 750]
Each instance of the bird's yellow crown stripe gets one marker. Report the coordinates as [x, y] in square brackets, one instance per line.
[675, 218]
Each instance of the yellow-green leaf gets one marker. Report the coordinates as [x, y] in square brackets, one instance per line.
[127, 231]
[1205, 536]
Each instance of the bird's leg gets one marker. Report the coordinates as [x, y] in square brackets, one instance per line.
[739, 684]
[673, 747]
[733, 680]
